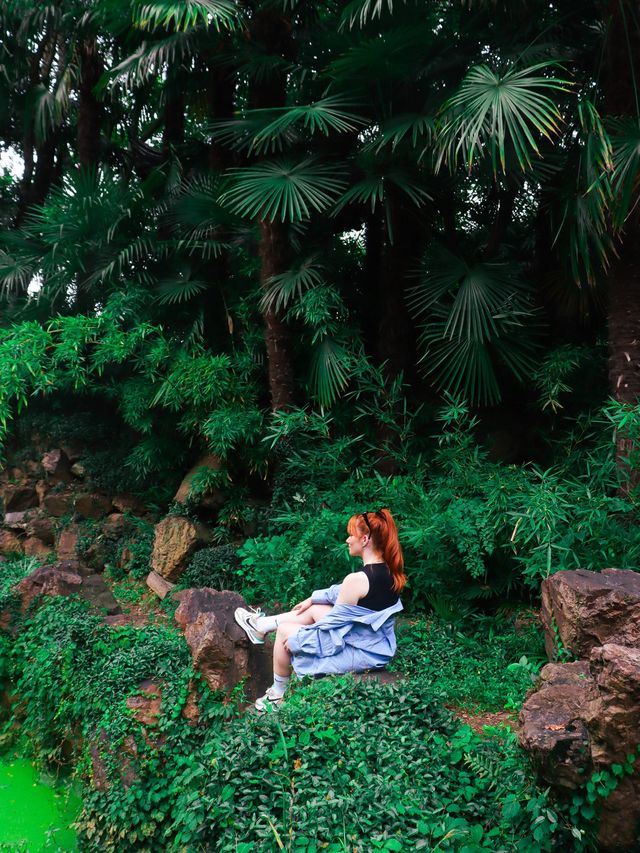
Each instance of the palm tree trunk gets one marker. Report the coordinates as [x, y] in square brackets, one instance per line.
[89, 107]
[620, 67]
[271, 32]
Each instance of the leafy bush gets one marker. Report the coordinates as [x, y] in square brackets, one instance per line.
[492, 667]
[213, 567]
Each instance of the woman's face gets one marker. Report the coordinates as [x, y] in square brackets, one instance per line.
[355, 544]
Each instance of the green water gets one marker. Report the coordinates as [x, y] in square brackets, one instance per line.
[35, 815]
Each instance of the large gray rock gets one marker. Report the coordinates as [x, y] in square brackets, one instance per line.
[220, 649]
[587, 609]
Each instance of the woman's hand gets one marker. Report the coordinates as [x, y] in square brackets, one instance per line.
[302, 606]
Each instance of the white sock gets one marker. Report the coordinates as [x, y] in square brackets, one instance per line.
[279, 686]
[264, 624]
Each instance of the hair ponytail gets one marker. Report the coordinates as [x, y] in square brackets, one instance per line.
[382, 530]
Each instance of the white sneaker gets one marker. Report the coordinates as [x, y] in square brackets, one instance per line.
[245, 619]
[269, 702]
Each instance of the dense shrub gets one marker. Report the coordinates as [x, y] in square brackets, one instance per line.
[212, 567]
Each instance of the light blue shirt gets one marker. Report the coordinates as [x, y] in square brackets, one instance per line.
[348, 639]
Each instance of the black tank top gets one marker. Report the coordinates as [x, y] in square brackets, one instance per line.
[381, 593]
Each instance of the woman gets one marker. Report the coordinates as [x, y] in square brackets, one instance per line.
[347, 627]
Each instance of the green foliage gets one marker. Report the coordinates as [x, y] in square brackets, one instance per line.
[471, 664]
[213, 567]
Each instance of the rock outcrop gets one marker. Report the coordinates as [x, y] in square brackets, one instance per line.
[220, 649]
[585, 715]
[176, 539]
[586, 609]
[68, 578]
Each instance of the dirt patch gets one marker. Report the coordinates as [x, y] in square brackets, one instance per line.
[477, 720]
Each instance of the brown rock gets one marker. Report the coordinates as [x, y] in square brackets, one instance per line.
[16, 520]
[191, 709]
[10, 543]
[127, 503]
[58, 505]
[115, 525]
[94, 589]
[145, 706]
[588, 609]
[126, 558]
[56, 466]
[620, 818]
[614, 721]
[42, 528]
[176, 539]
[34, 547]
[78, 470]
[92, 506]
[48, 580]
[553, 731]
[212, 498]
[220, 649]
[68, 547]
[42, 489]
[17, 498]
[159, 585]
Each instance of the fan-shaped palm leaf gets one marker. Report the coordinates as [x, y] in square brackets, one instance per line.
[476, 318]
[372, 190]
[179, 288]
[283, 190]
[281, 289]
[146, 61]
[491, 110]
[323, 116]
[186, 15]
[363, 11]
[329, 371]
[416, 126]
[625, 138]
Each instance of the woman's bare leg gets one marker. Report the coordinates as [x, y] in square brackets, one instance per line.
[307, 617]
[281, 657]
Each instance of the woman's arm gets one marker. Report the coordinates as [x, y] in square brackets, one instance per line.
[354, 587]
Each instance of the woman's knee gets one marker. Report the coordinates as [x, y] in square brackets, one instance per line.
[317, 611]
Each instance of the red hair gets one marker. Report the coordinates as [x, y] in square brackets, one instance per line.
[382, 530]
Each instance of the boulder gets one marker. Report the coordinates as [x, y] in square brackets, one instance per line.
[176, 539]
[58, 505]
[42, 528]
[68, 547]
[159, 585]
[92, 506]
[212, 498]
[48, 580]
[587, 609]
[78, 470]
[220, 649]
[57, 466]
[16, 520]
[10, 543]
[67, 578]
[34, 547]
[127, 503]
[145, 705]
[19, 497]
[614, 721]
[552, 729]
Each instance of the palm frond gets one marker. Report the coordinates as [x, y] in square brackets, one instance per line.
[360, 12]
[147, 61]
[372, 190]
[477, 318]
[186, 15]
[491, 110]
[283, 288]
[625, 139]
[329, 371]
[323, 116]
[179, 288]
[283, 190]
[415, 126]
